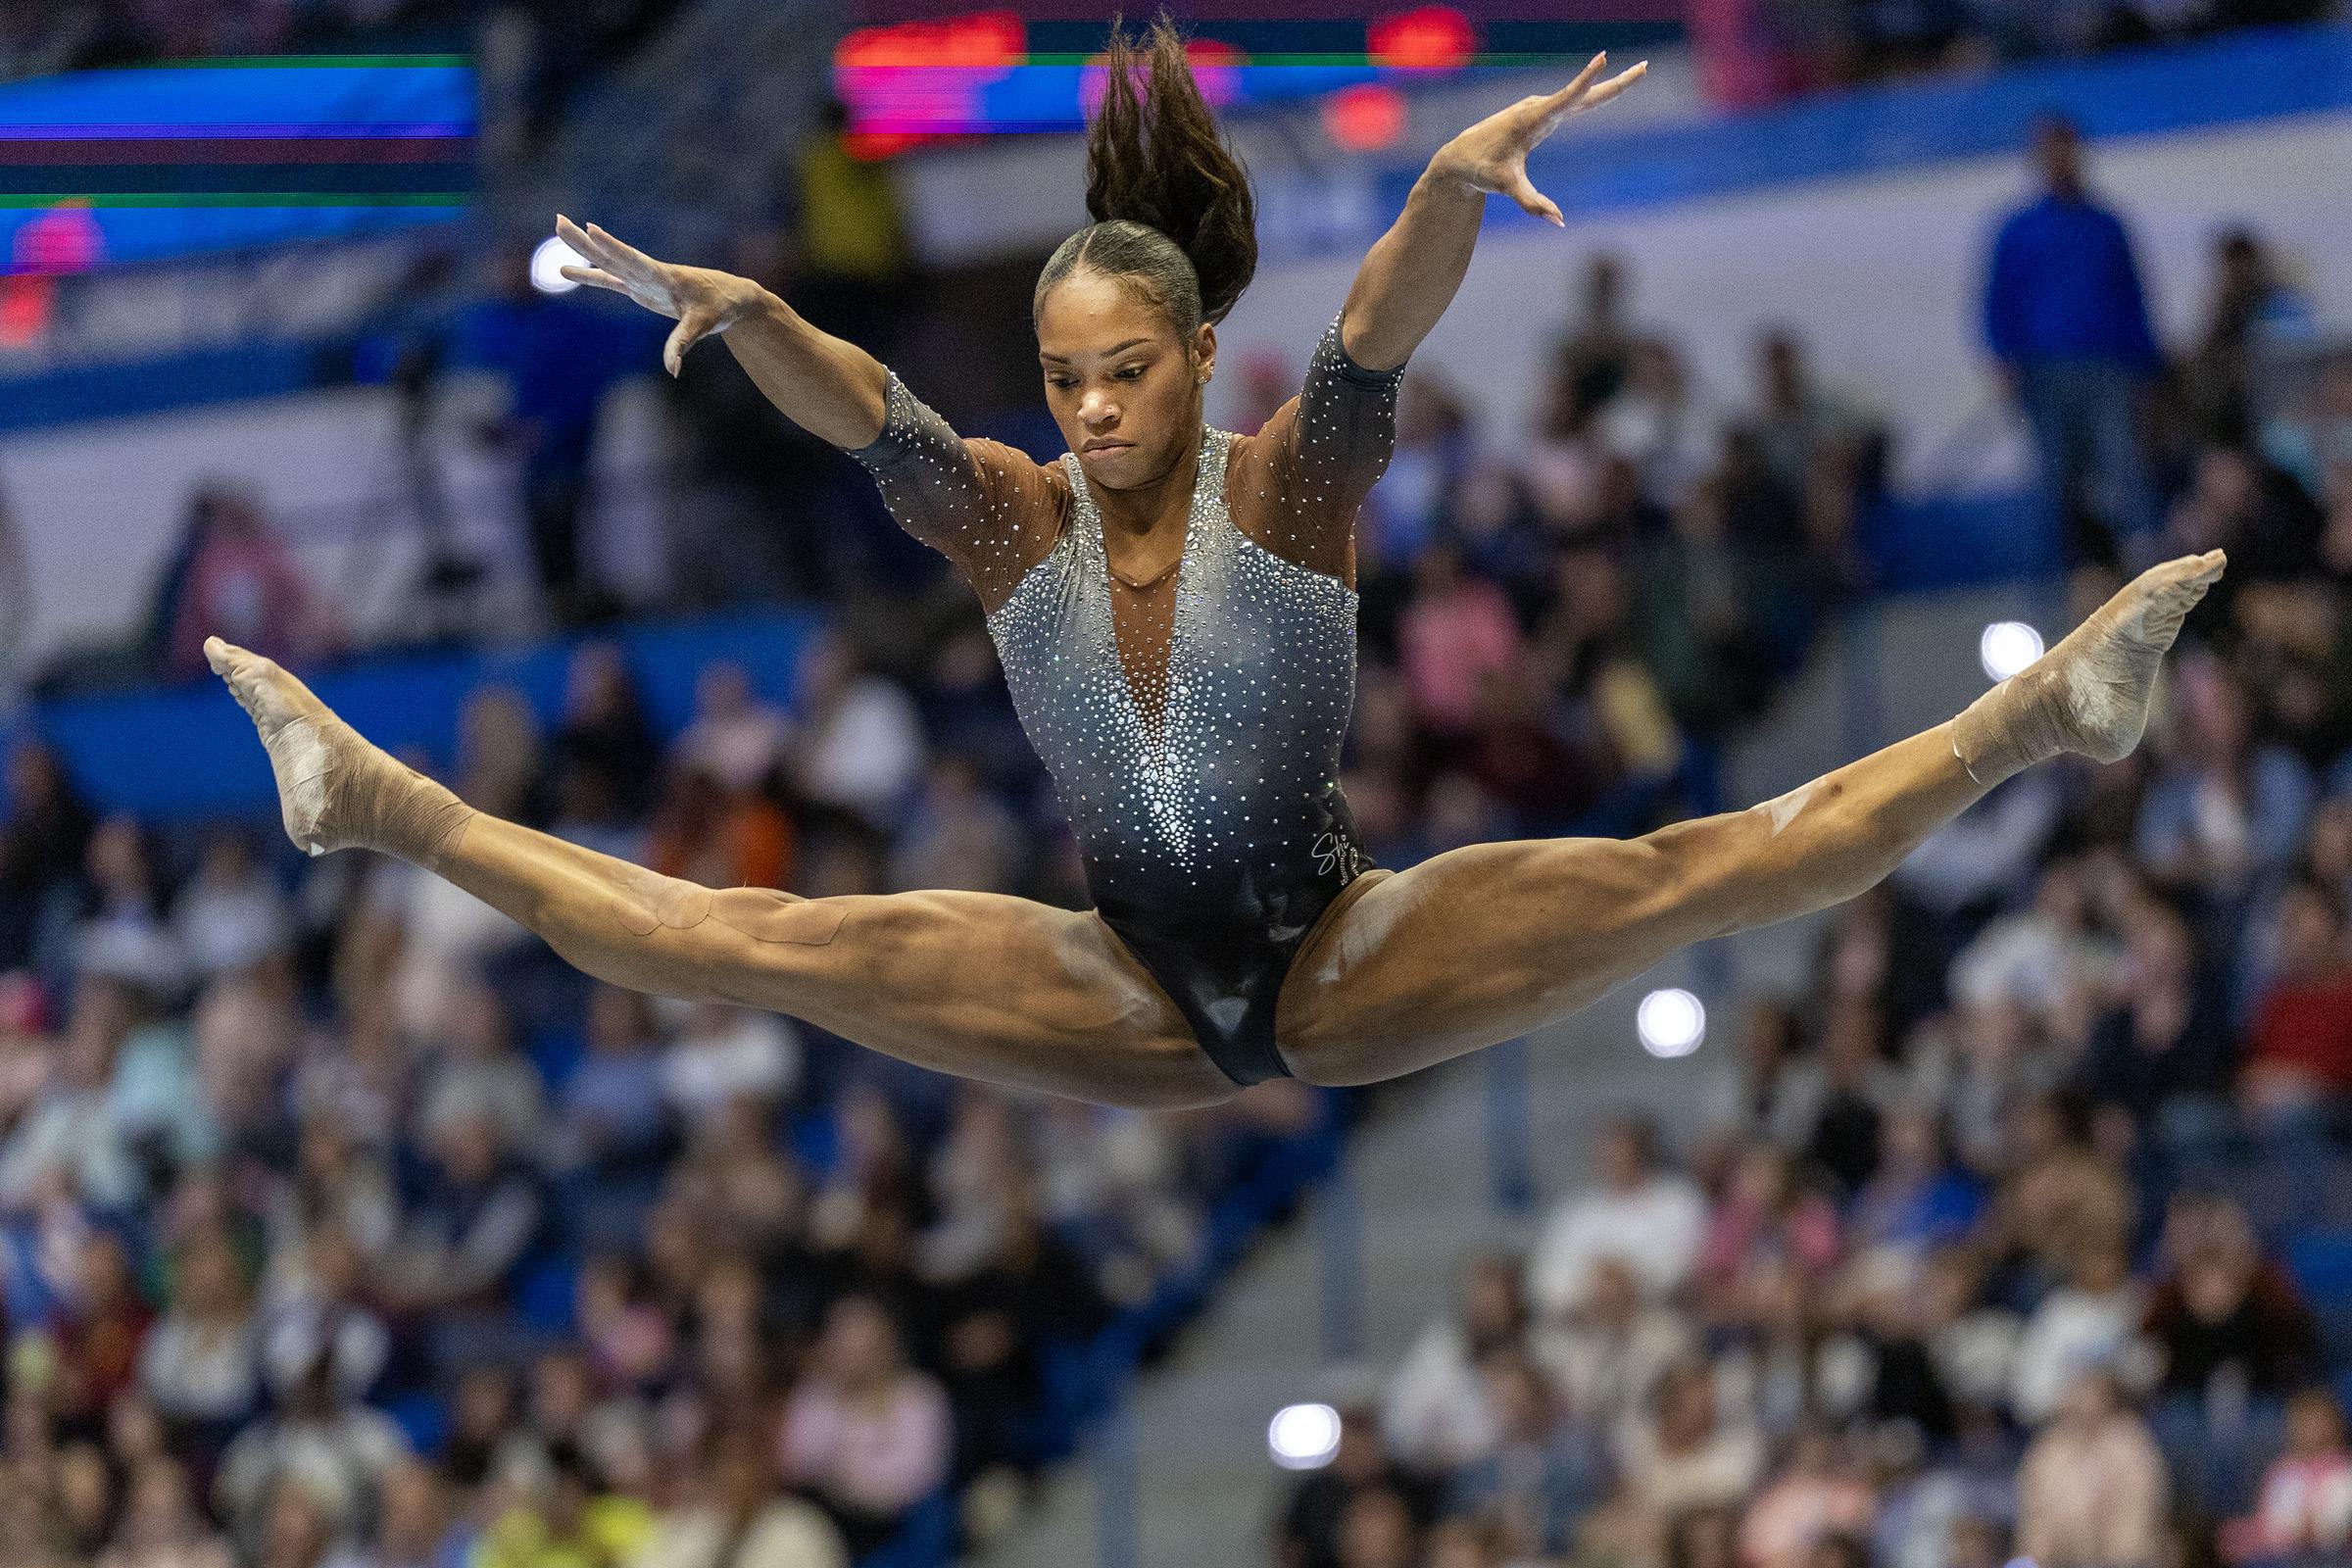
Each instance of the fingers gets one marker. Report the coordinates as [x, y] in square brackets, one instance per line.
[1583, 78]
[691, 326]
[594, 276]
[1523, 191]
[595, 245]
[1615, 86]
[1582, 93]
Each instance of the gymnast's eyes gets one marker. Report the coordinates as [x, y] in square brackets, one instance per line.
[1132, 373]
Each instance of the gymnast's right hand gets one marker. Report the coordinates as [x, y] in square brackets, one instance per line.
[704, 303]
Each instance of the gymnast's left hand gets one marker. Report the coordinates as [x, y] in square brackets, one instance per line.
[1492, 155]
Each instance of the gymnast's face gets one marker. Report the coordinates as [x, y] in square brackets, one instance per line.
[1123, 385]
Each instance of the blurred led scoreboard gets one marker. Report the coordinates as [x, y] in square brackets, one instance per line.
[101, 168]
[914, 73]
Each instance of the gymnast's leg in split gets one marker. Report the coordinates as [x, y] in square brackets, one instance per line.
[1488, 942]
[1468, 949]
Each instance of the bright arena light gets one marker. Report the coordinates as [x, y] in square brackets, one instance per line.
[1670, 1023]
[2007, 647]
[1303, 1437]
[547, 263]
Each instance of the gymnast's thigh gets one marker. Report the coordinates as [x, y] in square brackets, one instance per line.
[1474, 946]
[980, 985]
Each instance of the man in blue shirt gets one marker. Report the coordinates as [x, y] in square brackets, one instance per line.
[2065, 316]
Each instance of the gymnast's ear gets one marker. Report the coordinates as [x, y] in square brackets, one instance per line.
[1205, 351]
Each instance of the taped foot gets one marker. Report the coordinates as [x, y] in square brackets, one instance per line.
[335, 790]
[2090, 694]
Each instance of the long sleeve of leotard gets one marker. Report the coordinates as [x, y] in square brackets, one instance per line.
[1298, 485]
[990, 508]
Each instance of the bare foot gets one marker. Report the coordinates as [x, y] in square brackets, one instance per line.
[335, 790]
[2090, 694]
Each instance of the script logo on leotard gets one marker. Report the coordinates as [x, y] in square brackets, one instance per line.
[1334, 852]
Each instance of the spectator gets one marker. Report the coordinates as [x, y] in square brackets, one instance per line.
[869, 1434]
[1456, 627]
[2305, 1512]
[2092, 1490]
[201, 1364]
[43, 840]
[735, 737]
[2066, 321]
[236, 579]
[161, 1527]
[2299, 1048]
[736, 1518]
[1817, 1497]
[1545, 1468]
[1681, 1454]
[858, 749]
[1609, 1354]
[1638, 1211]
[1313, 1520]
[1437, 1413]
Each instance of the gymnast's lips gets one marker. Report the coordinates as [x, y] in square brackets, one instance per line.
[1103, 446]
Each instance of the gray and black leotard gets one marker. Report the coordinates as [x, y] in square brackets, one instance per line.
[1206, 800]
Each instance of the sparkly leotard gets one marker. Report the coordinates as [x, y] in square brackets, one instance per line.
[1205, 795]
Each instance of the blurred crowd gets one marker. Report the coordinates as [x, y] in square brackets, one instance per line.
[343, 1226]
[2023, 1230]
[2020, 1236]
[1753, 52]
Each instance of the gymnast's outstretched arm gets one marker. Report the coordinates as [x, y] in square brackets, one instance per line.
[828, 386]
[1413, 271]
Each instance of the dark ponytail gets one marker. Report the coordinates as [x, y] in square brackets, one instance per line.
[1172, 204]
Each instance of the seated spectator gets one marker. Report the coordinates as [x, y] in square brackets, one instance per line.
[1766, 1213]
[609, 1117]
[161, 1527]
[2092, 1491]
[2299, 1048]
[958, 834]
[1819, 1493]
[705, 832]
[867, 1433]
[859, 748]
[568, 1516]
[1308, 1530]
[1437, 1413]
[229, 915]
[2224, 810]
[476, 1216]
[233, 577]
[724, 1054]
[1607, 1355]
[734, 1517]
[735, 737]
[480, 1075]
[1651, 1217]
[1026, 1295]
[1682, 1453]
[201, 1364]
[1545, 1468]
[1377, 1530]
[2088, 1324]
[318, 1310]
[1454, 627]
[340, 1450]
[97, 1333]
[2305, 1510]
[1918, 1200]
[414, 1525]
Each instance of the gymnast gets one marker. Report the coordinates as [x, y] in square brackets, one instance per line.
[1174, 607]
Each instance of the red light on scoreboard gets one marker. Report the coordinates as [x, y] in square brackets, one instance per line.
[988, 39]
[1365, 118]
[1427, 38]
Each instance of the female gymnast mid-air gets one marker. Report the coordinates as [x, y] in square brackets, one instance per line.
[1175, 610]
